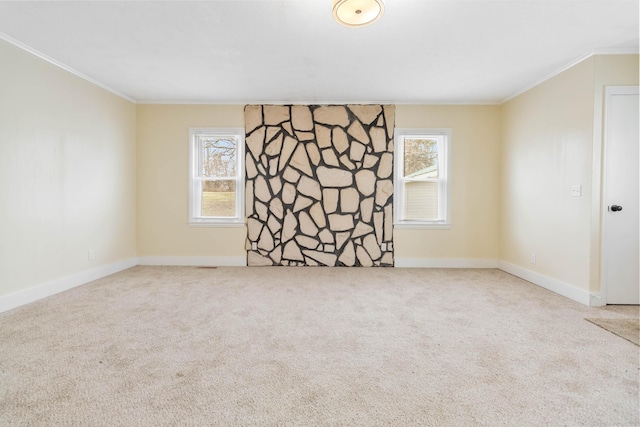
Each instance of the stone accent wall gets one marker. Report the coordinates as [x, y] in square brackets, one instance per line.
[319, 185]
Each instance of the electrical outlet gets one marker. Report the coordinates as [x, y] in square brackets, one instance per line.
[254, 246]
[383, 247]
[532, 260]
[91, 254]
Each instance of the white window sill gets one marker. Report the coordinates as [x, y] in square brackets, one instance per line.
[422, 225]
[216, 223]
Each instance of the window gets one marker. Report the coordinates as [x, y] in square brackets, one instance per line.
[216, 177]
[422, 178]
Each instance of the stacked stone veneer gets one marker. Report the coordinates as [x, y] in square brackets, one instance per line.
[319, 185]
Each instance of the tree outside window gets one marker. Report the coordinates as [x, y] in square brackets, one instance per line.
[421, 181]
[216, 179]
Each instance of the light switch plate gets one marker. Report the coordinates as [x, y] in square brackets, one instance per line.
[576, 191]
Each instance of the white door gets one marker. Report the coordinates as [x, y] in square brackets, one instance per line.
[621, 213]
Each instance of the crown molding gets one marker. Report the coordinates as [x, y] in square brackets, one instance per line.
[314, 102]
[58, 64]
[617, 51]
[29, 49]
[612, 51]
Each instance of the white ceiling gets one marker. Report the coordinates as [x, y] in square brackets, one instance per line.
[292, 51]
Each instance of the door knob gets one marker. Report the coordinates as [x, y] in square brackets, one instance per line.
[615, 208]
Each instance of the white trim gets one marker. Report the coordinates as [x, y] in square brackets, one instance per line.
[549, 283]
[597, 300]
[446, 263]
[59, 64]
[619, 51]
[216, 223]
[406, 225]
[43, 290]
[548, 76]
[444, 166]
[17, 299]
[195, 261]
[610, 51]
[316, 102]
[194, 183]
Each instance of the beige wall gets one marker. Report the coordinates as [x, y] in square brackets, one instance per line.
[82, 169]
[474, 183]
[67, 173]
[163, 132]
[551, 140]
[163, 160]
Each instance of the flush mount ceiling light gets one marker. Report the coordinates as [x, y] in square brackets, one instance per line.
[357, 13]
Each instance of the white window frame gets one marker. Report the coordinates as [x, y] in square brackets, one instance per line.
[195, 182]
[444, 168]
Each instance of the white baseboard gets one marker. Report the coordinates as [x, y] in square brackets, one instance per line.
[194, 261]
[446, 262]
[554, 285]
[16, 299]
[43, 290]
[597, 300]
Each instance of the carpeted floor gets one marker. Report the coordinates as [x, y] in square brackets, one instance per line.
[155, 346]
[629, 329]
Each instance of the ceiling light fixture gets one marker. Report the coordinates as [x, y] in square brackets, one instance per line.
[357, 13]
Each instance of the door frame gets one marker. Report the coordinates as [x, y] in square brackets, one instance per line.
[610, 92]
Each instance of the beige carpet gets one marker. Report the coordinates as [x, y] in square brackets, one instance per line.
[629, 329]
[156, 346]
